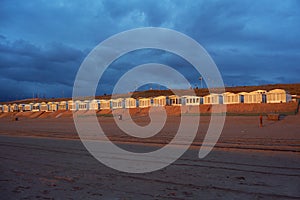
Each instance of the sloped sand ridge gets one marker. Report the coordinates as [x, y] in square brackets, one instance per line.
[232, 109]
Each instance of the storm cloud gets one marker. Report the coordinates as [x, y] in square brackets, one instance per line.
[43, 43]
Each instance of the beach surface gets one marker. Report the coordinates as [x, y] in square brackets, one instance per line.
[43, 158]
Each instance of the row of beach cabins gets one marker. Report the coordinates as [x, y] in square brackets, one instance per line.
[258, 96]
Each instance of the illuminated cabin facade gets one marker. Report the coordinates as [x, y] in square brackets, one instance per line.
[231, 98]
[175, 100]
[10, 108]
[27, 107]
[52, 106]
[5, 108]
[257, 96]
[72, 105]
[144, 102]
[191, 100]
[278, 96]
[242, 96]
[159, 101]
[21, 107]
[44, 107]
[63, 105]
[36, 107]
[130, 103]
[104, 104]
[14, 108]
[117, 103]
[94, 104]
[82, 105]
[212, 99]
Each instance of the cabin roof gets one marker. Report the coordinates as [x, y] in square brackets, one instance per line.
[277, 91]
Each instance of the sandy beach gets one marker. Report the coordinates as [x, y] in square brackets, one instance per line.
[43, 158]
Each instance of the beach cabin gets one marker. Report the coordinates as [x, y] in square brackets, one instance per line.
[242, 96]
[52, 106]
[130, 103]
[11, 108]
[44, 107]
[31, 104]
[36, 107]
[62, 105]
[144, 102]
[72, 105]
[21, 107]
[175, 100]
[117, 103]
[212, 99]
[15, 107]
[83, 105]
[159, 101]
[94, 104]
[27, 107]
[191, 100]
[257, 96]
[5, 108]
[104, 104]
[278, 96]
[231, 98]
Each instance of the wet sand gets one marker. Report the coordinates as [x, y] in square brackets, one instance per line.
[44, 159]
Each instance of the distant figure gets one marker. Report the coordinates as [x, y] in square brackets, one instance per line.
[260, 121]
[120, 117]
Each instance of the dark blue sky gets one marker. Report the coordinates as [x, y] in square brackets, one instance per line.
[42, 43]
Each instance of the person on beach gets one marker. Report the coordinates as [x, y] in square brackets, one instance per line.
[260, 121]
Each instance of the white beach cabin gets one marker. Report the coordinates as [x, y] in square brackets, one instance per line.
[10, 108]
[94, 104]
[27, 107]
[21, 107]
[257, 96]
[212, 99]
[52, 106]
[144, 102]
[242, 96]
[83, 105]
[5, 108]
[104, 104]
[278, 96]
[231, 98]
[159, 101]
[130, 103]
[44, 107]
[175, 100]
[36, 107]
[14, 107]
[72, 105]
[117, 103]
[191, 100]
[62, 105]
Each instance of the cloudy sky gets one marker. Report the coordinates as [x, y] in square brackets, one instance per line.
[43, 43]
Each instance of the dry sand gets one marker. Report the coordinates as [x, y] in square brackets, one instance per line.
[42, 158]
